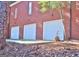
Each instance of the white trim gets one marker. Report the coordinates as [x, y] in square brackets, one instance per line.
[27, 42]
[14, 3]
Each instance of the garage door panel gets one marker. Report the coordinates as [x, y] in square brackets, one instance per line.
[15, 32]
[30, 32]
[51, 29]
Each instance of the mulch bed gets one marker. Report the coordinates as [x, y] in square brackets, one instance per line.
[40, 50]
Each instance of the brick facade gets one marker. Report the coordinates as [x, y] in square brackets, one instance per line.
[37, 17]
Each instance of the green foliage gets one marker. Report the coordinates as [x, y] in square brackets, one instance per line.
[43, 6]
[56, 4]
[46, 5]
[10, 2]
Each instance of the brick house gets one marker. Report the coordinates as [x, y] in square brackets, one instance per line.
[30, 24]
[26, 22]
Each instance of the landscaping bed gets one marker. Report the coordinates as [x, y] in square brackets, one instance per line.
[54, 49]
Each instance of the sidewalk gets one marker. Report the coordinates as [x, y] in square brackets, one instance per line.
[72, 42]
[41, 41]
[27, 42]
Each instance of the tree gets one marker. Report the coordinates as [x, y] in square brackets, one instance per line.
[10, 2]
[53, 5]
[47, 5]
[3, 20]
[43, 6]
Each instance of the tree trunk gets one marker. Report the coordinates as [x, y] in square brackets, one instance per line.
[62, 18]
[3, 20]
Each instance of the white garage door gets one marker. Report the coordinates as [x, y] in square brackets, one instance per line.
[30, 32]
[54, 28]
[15, 32]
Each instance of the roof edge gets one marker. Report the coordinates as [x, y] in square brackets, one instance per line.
[14, 3]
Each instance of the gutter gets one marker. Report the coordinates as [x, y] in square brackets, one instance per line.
[13, 4]
[9, 23]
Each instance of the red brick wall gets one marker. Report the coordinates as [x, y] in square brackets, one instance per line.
[75, 20]
[66, 14]
[36, 17]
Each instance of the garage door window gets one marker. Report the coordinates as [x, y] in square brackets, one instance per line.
[15, 32]
[30, 32]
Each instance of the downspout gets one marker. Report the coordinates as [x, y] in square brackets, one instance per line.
[70, 25]
[9, 23]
